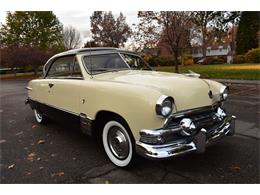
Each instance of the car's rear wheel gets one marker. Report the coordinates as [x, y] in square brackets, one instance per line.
[40, 118]
[118, 143]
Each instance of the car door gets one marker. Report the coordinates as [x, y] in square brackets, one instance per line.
[64, 79]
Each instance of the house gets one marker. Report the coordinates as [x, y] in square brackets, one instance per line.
[223, 50]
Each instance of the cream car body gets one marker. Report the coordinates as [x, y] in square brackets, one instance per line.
[130, 94]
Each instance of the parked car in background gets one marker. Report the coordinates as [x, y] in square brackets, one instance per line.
[201, 61]
[116, 94]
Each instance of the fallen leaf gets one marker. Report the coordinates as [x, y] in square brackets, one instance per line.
[58, 174]
[53, 155]
[31, 156]
[38, 159]
[41, 168]
[34, 126]
[2, 141]
[28, 173]
[11, 166]
[19, 133]
[235, 168]
[41, 141]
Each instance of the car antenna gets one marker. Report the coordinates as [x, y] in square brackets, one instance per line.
[90, 60]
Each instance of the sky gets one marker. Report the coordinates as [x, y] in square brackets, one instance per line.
[81, 20]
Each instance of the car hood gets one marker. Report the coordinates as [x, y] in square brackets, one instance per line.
[188, 92]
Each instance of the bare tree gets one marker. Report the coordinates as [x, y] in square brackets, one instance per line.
[147, 32]
[209, 22]
[173, 29]
[108, 31]
[71, 38]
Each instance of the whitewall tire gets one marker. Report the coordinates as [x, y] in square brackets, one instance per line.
[117, 144]
[40, 118]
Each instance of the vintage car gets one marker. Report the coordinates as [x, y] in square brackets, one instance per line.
[116, 95]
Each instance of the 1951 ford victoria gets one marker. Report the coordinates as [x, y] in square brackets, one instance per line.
[115, 94]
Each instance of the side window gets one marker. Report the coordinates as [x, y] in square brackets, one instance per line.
[65, 67]
[61, 67]
[76, 72]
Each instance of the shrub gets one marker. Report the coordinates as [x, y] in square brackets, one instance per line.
[161, 61]
[239, 59]
[253, 56]
[188, 62]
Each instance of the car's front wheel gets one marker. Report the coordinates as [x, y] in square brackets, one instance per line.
[40, 118]
[117, 143]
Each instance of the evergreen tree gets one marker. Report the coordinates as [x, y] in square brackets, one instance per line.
[248, 28]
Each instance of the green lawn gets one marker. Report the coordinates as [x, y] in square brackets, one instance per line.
[225, 71]
[27, 75]
[222, 71]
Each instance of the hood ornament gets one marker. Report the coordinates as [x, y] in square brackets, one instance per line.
[192, 74]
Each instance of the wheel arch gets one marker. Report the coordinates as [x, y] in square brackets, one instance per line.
[103, 116]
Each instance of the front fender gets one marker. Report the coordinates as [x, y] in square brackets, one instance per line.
[136, 104]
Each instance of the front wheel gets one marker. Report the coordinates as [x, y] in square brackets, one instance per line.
[117, 144]
[40, 118]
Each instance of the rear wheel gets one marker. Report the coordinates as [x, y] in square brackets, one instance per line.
[117, 143]
[40, 118]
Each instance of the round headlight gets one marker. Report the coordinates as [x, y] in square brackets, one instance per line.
[164, 106]
[224, 93]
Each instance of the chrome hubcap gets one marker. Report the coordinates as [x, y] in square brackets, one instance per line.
[118, 143]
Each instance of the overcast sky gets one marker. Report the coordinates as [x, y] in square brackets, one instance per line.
[81, 20]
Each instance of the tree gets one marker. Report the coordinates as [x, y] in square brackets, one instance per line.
[247, 37]
[32, 28]
[71, 38]
[108, 31]
[91, 43]
[30, 38]
[171, 28]
[207, 22]
[148, 31]
[21, 56]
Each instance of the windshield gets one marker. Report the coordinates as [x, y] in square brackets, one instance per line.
[135, 62]
[113, 62]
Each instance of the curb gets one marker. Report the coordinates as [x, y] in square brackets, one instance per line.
[243, 82]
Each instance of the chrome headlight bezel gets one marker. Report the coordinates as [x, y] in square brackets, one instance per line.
[164, 106]
[224, 93]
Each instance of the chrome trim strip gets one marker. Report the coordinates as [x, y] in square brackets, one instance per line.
[64, 110]
[161, 99]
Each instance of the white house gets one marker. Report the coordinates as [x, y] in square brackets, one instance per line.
[214, 51]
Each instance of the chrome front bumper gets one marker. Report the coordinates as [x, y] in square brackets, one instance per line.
[196, 143]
